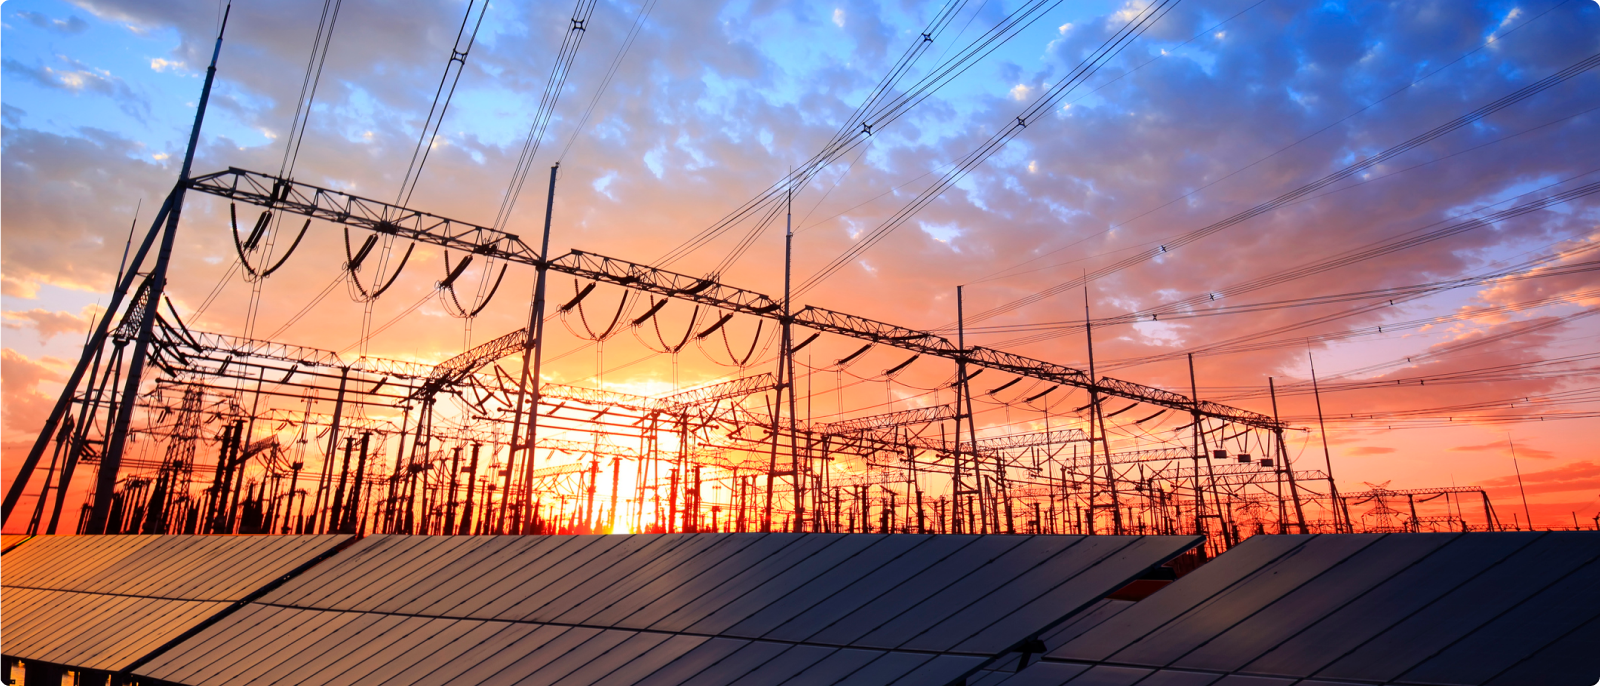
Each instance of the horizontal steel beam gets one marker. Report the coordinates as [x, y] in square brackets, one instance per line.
[287, 195]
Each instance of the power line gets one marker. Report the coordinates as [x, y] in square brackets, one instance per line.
[1306, 190]
[581, 13]
[1041, 106]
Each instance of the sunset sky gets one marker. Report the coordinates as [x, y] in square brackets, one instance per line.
[1220, 106]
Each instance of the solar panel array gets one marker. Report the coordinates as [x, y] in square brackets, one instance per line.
[9, 541]
[1481, 608]
[104, 602]
[661, 609]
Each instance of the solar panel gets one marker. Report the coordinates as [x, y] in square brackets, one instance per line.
[9, 541]
[682, 608]
[106, 602]
[1480, 608]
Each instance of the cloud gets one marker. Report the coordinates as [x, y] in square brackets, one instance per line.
[25, 406]
[1366, 450]
[1505, 448]
[79, 78]
[1581, 475]
[70, 25]
[1191, 137]
[50, 324]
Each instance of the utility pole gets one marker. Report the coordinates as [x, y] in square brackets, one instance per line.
[532, 358]
[963, 407]
[1199, 495]
[155, 287]
[1283, 460]
[1525, 512]
[1097, 414]
[1327, 456]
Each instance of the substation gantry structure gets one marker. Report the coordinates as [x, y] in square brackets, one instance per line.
[466, 446]
[198, 432]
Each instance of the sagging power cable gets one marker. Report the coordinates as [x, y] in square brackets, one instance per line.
[581, 13]
[882, 108]
[1041, 106]
[1296, 194]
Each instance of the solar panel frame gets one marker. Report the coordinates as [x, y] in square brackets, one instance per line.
[1091, 574]
[489, 649]
[569, 661]
[498, 558]
[614, 566]
[680, 608]
[1569, 655]
[1187, 631]
[1559, 609]
[389, 608]
[624, 652]
[836, 621]
[911, 628]
[1452, 616]
[834, 583]
[736, 664]
[617, 602]
[643, 665]
[1240, 644]
[841, 663]
[888, 667]
[1200, 585]
[736, 610]
[1364, 617]
[785, 666]
[425, 638]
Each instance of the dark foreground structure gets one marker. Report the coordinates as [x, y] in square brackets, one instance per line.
[715, 609]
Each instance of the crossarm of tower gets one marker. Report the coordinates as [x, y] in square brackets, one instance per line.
[287, 195]
[723, 390]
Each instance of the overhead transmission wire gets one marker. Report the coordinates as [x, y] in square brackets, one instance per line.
[308, 85]
[582, 11]
[1042, 106]
[1365, 181]
[291, 152]
[879, 110]
[611, 72]
[1269, 206]
[1386, 297]
[852, 131]
[426, 139]
[1349, 257]
[1518, 371]
[1373, 250]
[1248, 343]
[1002, 273]
[441, 101]
[1253, 342]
